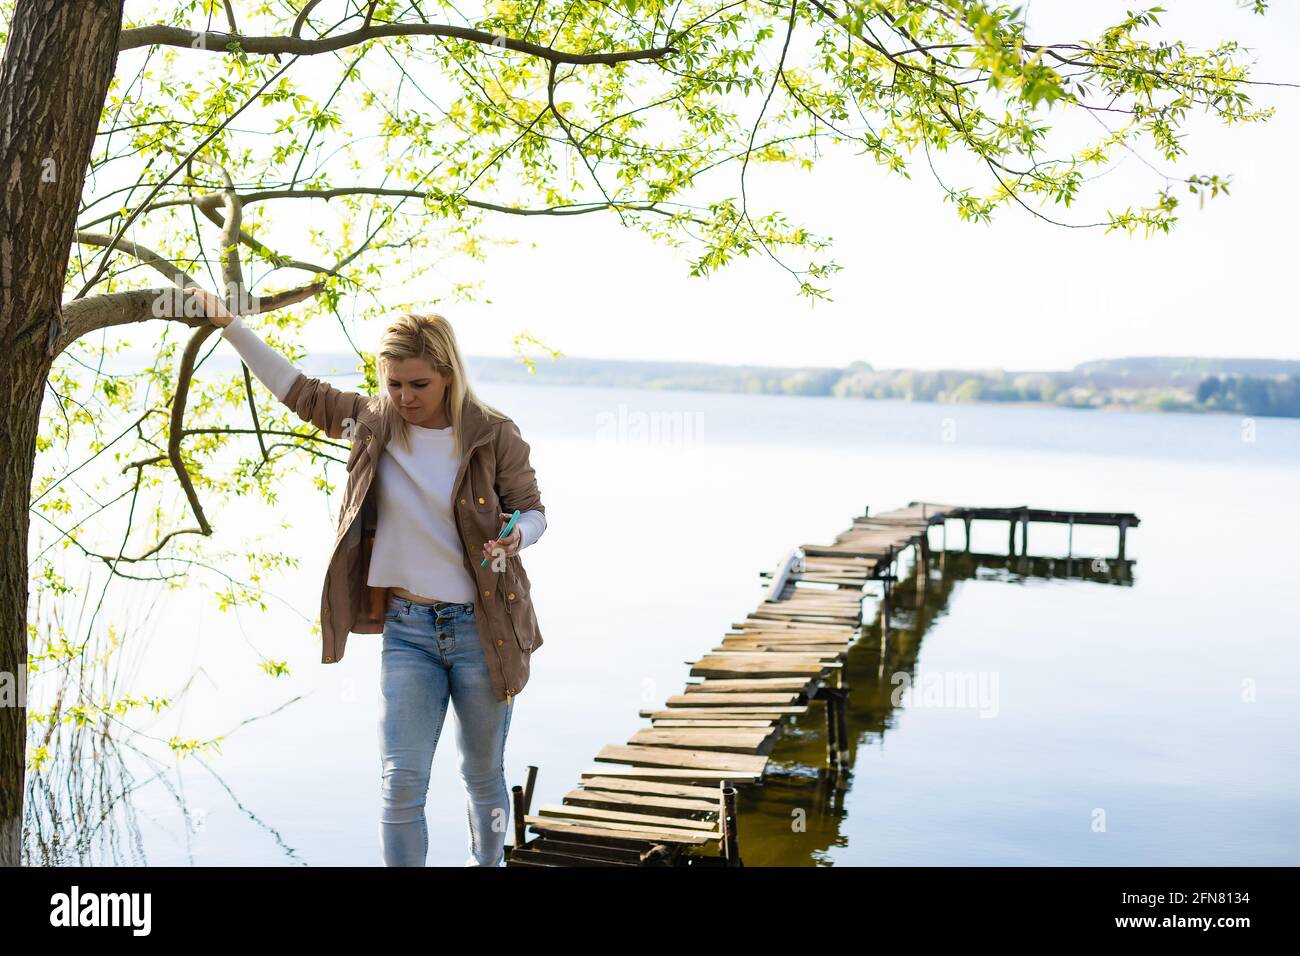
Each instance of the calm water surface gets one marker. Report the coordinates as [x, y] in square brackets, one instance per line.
[1147, 724]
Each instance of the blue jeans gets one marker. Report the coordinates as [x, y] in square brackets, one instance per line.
[430, 657]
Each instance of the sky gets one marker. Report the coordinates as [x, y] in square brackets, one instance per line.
[919, 288]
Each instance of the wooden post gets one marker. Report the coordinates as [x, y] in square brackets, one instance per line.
[1123, 532]
[832, 729]
[1024, 534]
[727, 820]
[1011, 537]
[530, 778]
[842, 712]
[517, 795]
[884, 612]
[922, 567]
[1069, 550]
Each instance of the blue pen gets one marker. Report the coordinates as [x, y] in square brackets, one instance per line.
[510, 526]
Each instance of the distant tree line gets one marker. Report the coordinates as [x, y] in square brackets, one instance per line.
[1140, 383]
[1279, 395]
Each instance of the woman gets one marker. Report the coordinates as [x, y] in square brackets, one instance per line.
[417, 558]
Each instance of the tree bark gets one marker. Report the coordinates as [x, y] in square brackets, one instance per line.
[57, 66]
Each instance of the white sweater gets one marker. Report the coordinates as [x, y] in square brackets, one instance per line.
[416, 543]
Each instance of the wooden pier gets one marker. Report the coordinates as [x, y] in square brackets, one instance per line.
[670, 790]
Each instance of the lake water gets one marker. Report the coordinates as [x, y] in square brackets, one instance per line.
[1147, 724]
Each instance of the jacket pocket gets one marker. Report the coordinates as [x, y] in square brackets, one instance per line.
[521, 622]
[485, 499]
[481, 484]
[360, 448]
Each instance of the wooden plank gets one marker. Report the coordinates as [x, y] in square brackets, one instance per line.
[855, 582]
[793, 628]
[614, 799]
[603, 842]
[810, 595]
[792, 608]
[668, 774]
[806, 614]
[776, 612]
[641, 821]
[570, 844]
[765, 684]
[738, 722]
[741, 667]
[833, 563]
[806, 652]
[530, 857]
[524, 861]
[689, 713]
[807, 617]
[1045, 516]
[680, 758]
[656, 787]
[793, 594]
[796, 627]
[767, 662]
[788, 638]
[834, 567]
[876, 551]
[824, 608]
[616, 830]
[916, 525]
[785, 655]
[844, 578]
[707, 738]
[827, 651]
[572, 850]
[778, 698]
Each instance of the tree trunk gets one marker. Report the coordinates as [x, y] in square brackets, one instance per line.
[57, 65]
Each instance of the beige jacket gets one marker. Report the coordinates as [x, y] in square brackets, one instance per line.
[494, 477]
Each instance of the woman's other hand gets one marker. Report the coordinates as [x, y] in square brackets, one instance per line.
[213, 308]
[510, 543]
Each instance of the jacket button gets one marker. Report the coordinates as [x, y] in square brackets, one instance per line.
[499, 641]
[511, 595]
[329, 660]
[482, 500]
[487, 593]
[462, 500]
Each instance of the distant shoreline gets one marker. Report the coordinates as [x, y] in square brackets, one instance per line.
[1244, 387]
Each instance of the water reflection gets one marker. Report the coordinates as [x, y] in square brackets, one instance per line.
[96, 786]
[798, 813]
[80, 805]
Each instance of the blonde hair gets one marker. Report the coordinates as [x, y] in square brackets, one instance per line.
[428, 336]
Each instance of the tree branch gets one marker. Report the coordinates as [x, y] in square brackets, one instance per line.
[215, 41]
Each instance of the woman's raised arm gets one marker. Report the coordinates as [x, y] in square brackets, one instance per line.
[271, 368]
[333, 410]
